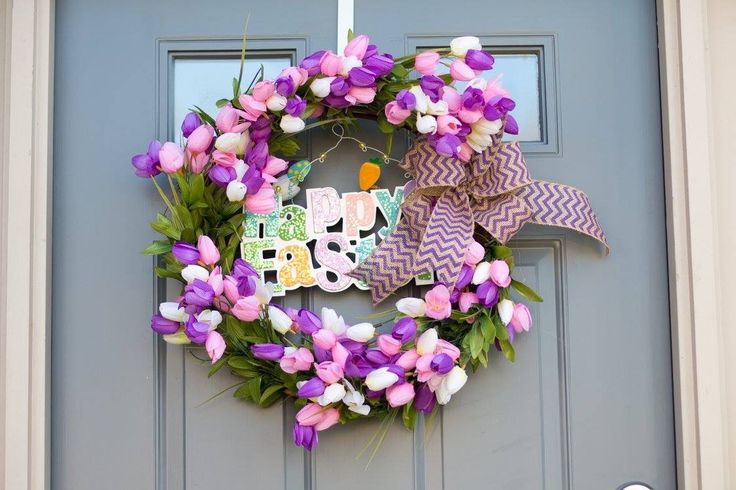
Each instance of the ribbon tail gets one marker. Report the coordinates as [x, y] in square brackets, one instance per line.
[502, 216]
[391, 264]
[447, 236]
[561, 205]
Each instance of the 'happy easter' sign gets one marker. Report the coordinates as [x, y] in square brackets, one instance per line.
[333, 232]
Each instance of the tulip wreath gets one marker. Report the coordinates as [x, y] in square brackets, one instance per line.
[334, 371]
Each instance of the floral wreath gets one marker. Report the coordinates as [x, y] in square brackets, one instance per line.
[463, 175]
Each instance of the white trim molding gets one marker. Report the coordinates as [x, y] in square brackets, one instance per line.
[25, 157]
[345, 20]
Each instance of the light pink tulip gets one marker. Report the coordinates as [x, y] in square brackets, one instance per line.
[357, 47]
[198, 161]
[445, 347]
[363, 95]
[329, 372]
[330, 64]
[324, 338]
[469, 117]
[294, 360]
[494, 89]
[500, 273]
[408, 360]
[253, 108]
[298, 75]
[200, 139]
[453, 99]
[263, 90]
[215, 346]
[330, 417]
[224, 158]
[467, 300]
[521, 319]
[274, 166]
[228, 120]
[246, 309]
[208, 253]
[171, 157]
[263, 201]
[474, 253]
[438, 302]
[460, 71]
[230, 287]
[426, 62]
[465, 153]
[399, 395]
[340, 354]
[389, 345]
[310, 415]
[395, 114]
[423, 369]
[216, 281]
[448, 125]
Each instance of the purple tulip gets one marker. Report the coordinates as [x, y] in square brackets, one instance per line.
[336, 101]
[199, 293]
[261, 128]
[380, 65]
[242, 268]
[511, 127]
[285, 86]
[505, 105]
[398, 371]
[339, 86]
[432, 86]
[196, 331]
[154, 147]
[424, 400]
[465, 130]
[190, 123]
[361, 77]
[479, 60]
[487, 294]
[253, 179]
[144, 166]
[454, 295]
[311, 63]
[164, 326]
[405, 329]
[370, 51]
[376, 357]
[353, 346]
[441, 363]
[466, 275]
[406, 100]
[305, 436]
[491, 112]
[320, 354]
[186, 253]
[222, 176]
[472, 99]
[246, 285]
[295, 106]
[313, 387]
[356, 366]
[308, 322]
[268, 352]
[447, 145]
[258, 155]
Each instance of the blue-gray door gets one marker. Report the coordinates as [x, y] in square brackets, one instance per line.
[588, 403]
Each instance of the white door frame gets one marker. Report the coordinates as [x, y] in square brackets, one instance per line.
[26, 46]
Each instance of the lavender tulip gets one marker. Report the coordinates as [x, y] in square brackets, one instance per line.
[479, 60]
[376, 357]
[258, 155]
[380, 65]
[424, 400]
[311, 63]
[505, 105]
[472, 99]
[454, 295]
[163, 326]
[397, 370]
[336, 101]
[191, 122]
[406, 100]
[313, 387]
[369, 393]
[242, 268]
[511, 127]
[361, 77]
[268, 352]
[305, 436]
[441, 363]
[154, 147]
[432, 86]
[253, 179]
[144, 166]
[295, 106]
[196, 331]
[185, 253]
[370, 51]
[466, 275]
[199, 293]
[447, 145]
[339, 86]
[356, 366]
[487, 294]
[222, 176]
[491, 112]
[353, 346]
[308, 322]
[285, 86]
[404, 330]
[321, 355]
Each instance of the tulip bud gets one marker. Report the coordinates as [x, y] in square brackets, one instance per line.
[474, 253]
[291, 124]
[329, 371]
[460, 45]
[200, 139]
[172, 311]
[312, 388]
[280, 321]
[389, 345]
[192, 272]
[164, 326]
[408, 360]
[362, 332]
[227, 142]
[399, 395]
[246, 309]
[308, 322]
[380, 379]
[426, 63]
[505, 310]
[320, 87]
[276, 103]
[215, 346]
[208, 253]
[460, 71]
[500, 273]
[236, 191]
[427, 342]
[521, 318]
[211, 317]
[482, 273]
[333, 393]
[190, 123]
[427, 124]
[268, 352]
[404, 329]
[357, 47]
[413, 307]
[171, 157]
[324, 338]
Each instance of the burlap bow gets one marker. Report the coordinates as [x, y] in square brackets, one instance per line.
[494, 190]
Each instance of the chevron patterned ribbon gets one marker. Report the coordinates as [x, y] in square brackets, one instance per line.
[493, 190]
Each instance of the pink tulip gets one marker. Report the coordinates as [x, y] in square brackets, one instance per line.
[294, 360]
[216, 281]
[330, 417]
[466, 152]
[423, 369]
[224, 158]
[329, 372]
[500, 273]
[340, 354]
[521, 319]
[494, 89]
[171, 157]
[253, 108]
[363, 95]
[298, 75]
[208, 253]
[310, 415]
[469, 117]
[246, 309]
[228, 120]
[445, 347]
[200, 139]
[330, 64]
[438, 302]
[408, 360]
[318, 110]
[263, 201]
[426, 63]
[215, 346]
[324, 338]
[263, 90]
[198, 161]
[357, 47]
[474, 253]
[448, 125]
[274, 166]
[453, 99]
[389, 345]
[460, 71]
[399, 395]
[467, 300]
[395, 114]
[230, 287]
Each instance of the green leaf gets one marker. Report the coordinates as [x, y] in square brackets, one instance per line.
[217, 366]
[502, 333]
[383, 124]
[238, 362]
[222, 103]
[270, 395]
[351, 35]
[508, 350]
[243, 392]
[409, 416]
[162, 225]
[254, 387]
[158, 247]
[476, 341]
[399, 71]
[487, 328]
[526, 291]
[196, 192]
[501, 251]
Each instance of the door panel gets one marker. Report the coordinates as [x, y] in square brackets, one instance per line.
[588, 403]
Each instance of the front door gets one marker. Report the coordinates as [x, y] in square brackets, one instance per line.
[588, 403]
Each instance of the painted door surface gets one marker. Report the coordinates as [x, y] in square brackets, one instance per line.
[588, 403]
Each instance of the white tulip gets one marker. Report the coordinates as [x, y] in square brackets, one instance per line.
[422, 100]
[362, 332]
[179, 338]
[505, 310]
[236, 191]
[451, 384]
[228, 142]
[479, 83]
[286, 188]
[240, 167]
[291, 124]
[276, 103]
[438, 108]
[460, 45]
[484, 126]
[192, 272]
[320, 87]
[442, 395]
[355, 400]
[211, 317]
[242, 143]
[413, 307]
[332, 321]
[348, 63]
[427, 342]
[280, 321]
[172, 311]
[380, 379]
[333, 393]
[427, 124]
[264, 292]
[482, 273]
